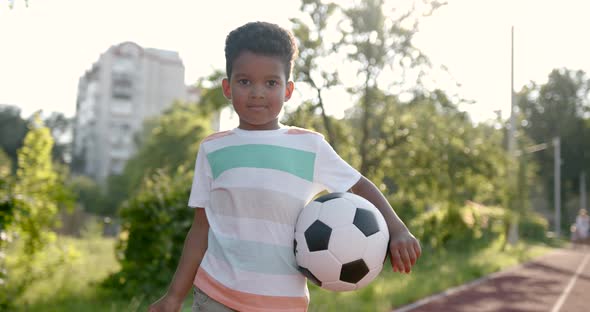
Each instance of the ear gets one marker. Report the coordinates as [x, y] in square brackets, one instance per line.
[289, 90]
[226, 88]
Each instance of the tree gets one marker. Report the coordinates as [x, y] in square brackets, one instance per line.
[154, 215]
[6, 218]
[13, 129]
[12, 132]
[155, 221]
[170, 141]
[314, 52]
[426, 153]
[31, 210]
[378, 42]
[37, 181]
[306, 116]
[559, 108]
[212, 99]
[61, 130]
[90, 195]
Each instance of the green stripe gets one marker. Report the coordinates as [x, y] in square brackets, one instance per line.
[294, 161]
[253, 256]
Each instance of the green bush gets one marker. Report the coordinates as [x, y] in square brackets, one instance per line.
[533, 226]
[154, 226]
[29, 203]
[449, 227]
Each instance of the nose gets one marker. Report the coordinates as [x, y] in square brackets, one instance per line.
[257, 92]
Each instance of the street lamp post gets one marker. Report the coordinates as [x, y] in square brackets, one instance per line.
[583, 190]
[556, 177]
[557, 184]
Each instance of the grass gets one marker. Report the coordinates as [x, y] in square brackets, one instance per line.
[434, 272]
[75, 287]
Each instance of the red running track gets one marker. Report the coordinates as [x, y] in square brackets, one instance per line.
[556, 282]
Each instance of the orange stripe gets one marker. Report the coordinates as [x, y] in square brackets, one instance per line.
[247, 302]
[217, 135]
[301, 131]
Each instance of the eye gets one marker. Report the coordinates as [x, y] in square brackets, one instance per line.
[272, 83]
[244, 82]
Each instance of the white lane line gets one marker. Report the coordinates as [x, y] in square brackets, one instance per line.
[569, 287]
[456, 289]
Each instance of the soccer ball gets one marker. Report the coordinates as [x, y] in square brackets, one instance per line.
[341, 241]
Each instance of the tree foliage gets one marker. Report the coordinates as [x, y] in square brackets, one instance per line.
[421, 151]
[29, 207]
[314, 53]
[170, 141]
[12, 132]
[13, 129]
[559, 108]
[379, 43]
[61, 128]
[155, 223]
[155, 217]
[424, 154]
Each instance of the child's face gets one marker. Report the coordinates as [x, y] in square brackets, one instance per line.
[258, 88]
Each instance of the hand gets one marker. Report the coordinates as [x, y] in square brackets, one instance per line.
[404, 250]
[166, 304]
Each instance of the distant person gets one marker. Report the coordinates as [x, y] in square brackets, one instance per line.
[250, 184]
[582, 226]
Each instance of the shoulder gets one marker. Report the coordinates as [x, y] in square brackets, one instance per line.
[217, 135]
[300, 131]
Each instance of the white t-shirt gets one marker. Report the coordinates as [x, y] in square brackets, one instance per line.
[253, 184]
[582, 225]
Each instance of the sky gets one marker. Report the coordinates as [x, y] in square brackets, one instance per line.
[45, 48]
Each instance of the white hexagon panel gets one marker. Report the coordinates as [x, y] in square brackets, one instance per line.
[369, 277]
[376, 249]
[347, 243]
[324, 266]
[337, 212]
[339, 286]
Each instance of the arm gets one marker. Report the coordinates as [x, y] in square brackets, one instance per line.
[193, 251]
[403, 246]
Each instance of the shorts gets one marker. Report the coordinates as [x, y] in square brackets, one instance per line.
[204, 303]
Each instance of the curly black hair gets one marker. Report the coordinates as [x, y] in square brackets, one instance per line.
[261, 38]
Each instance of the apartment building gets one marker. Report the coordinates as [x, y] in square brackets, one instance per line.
[125, 86]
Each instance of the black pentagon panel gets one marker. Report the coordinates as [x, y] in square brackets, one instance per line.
[310, 276]
[354, 271]
[386, 253]
[317, 236]
[366, 222]
[295, 246]
[327, 197]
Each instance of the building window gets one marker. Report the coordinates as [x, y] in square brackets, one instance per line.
[122, 107]
[122, 87]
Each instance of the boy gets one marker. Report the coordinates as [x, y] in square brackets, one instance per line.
[250, 184]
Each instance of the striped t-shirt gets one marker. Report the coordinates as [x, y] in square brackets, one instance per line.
[253, 184]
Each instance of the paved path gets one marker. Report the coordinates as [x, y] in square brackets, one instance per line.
[556, 282]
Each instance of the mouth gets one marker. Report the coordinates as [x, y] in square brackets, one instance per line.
[257, 107]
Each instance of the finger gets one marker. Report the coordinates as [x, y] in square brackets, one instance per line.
[417, 249]
[392, 261]
[396, 260]
[393, 264]
[412, 255]
[406, 260]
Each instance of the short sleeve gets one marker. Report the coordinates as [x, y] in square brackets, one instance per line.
[335, 174]
[201, 187]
